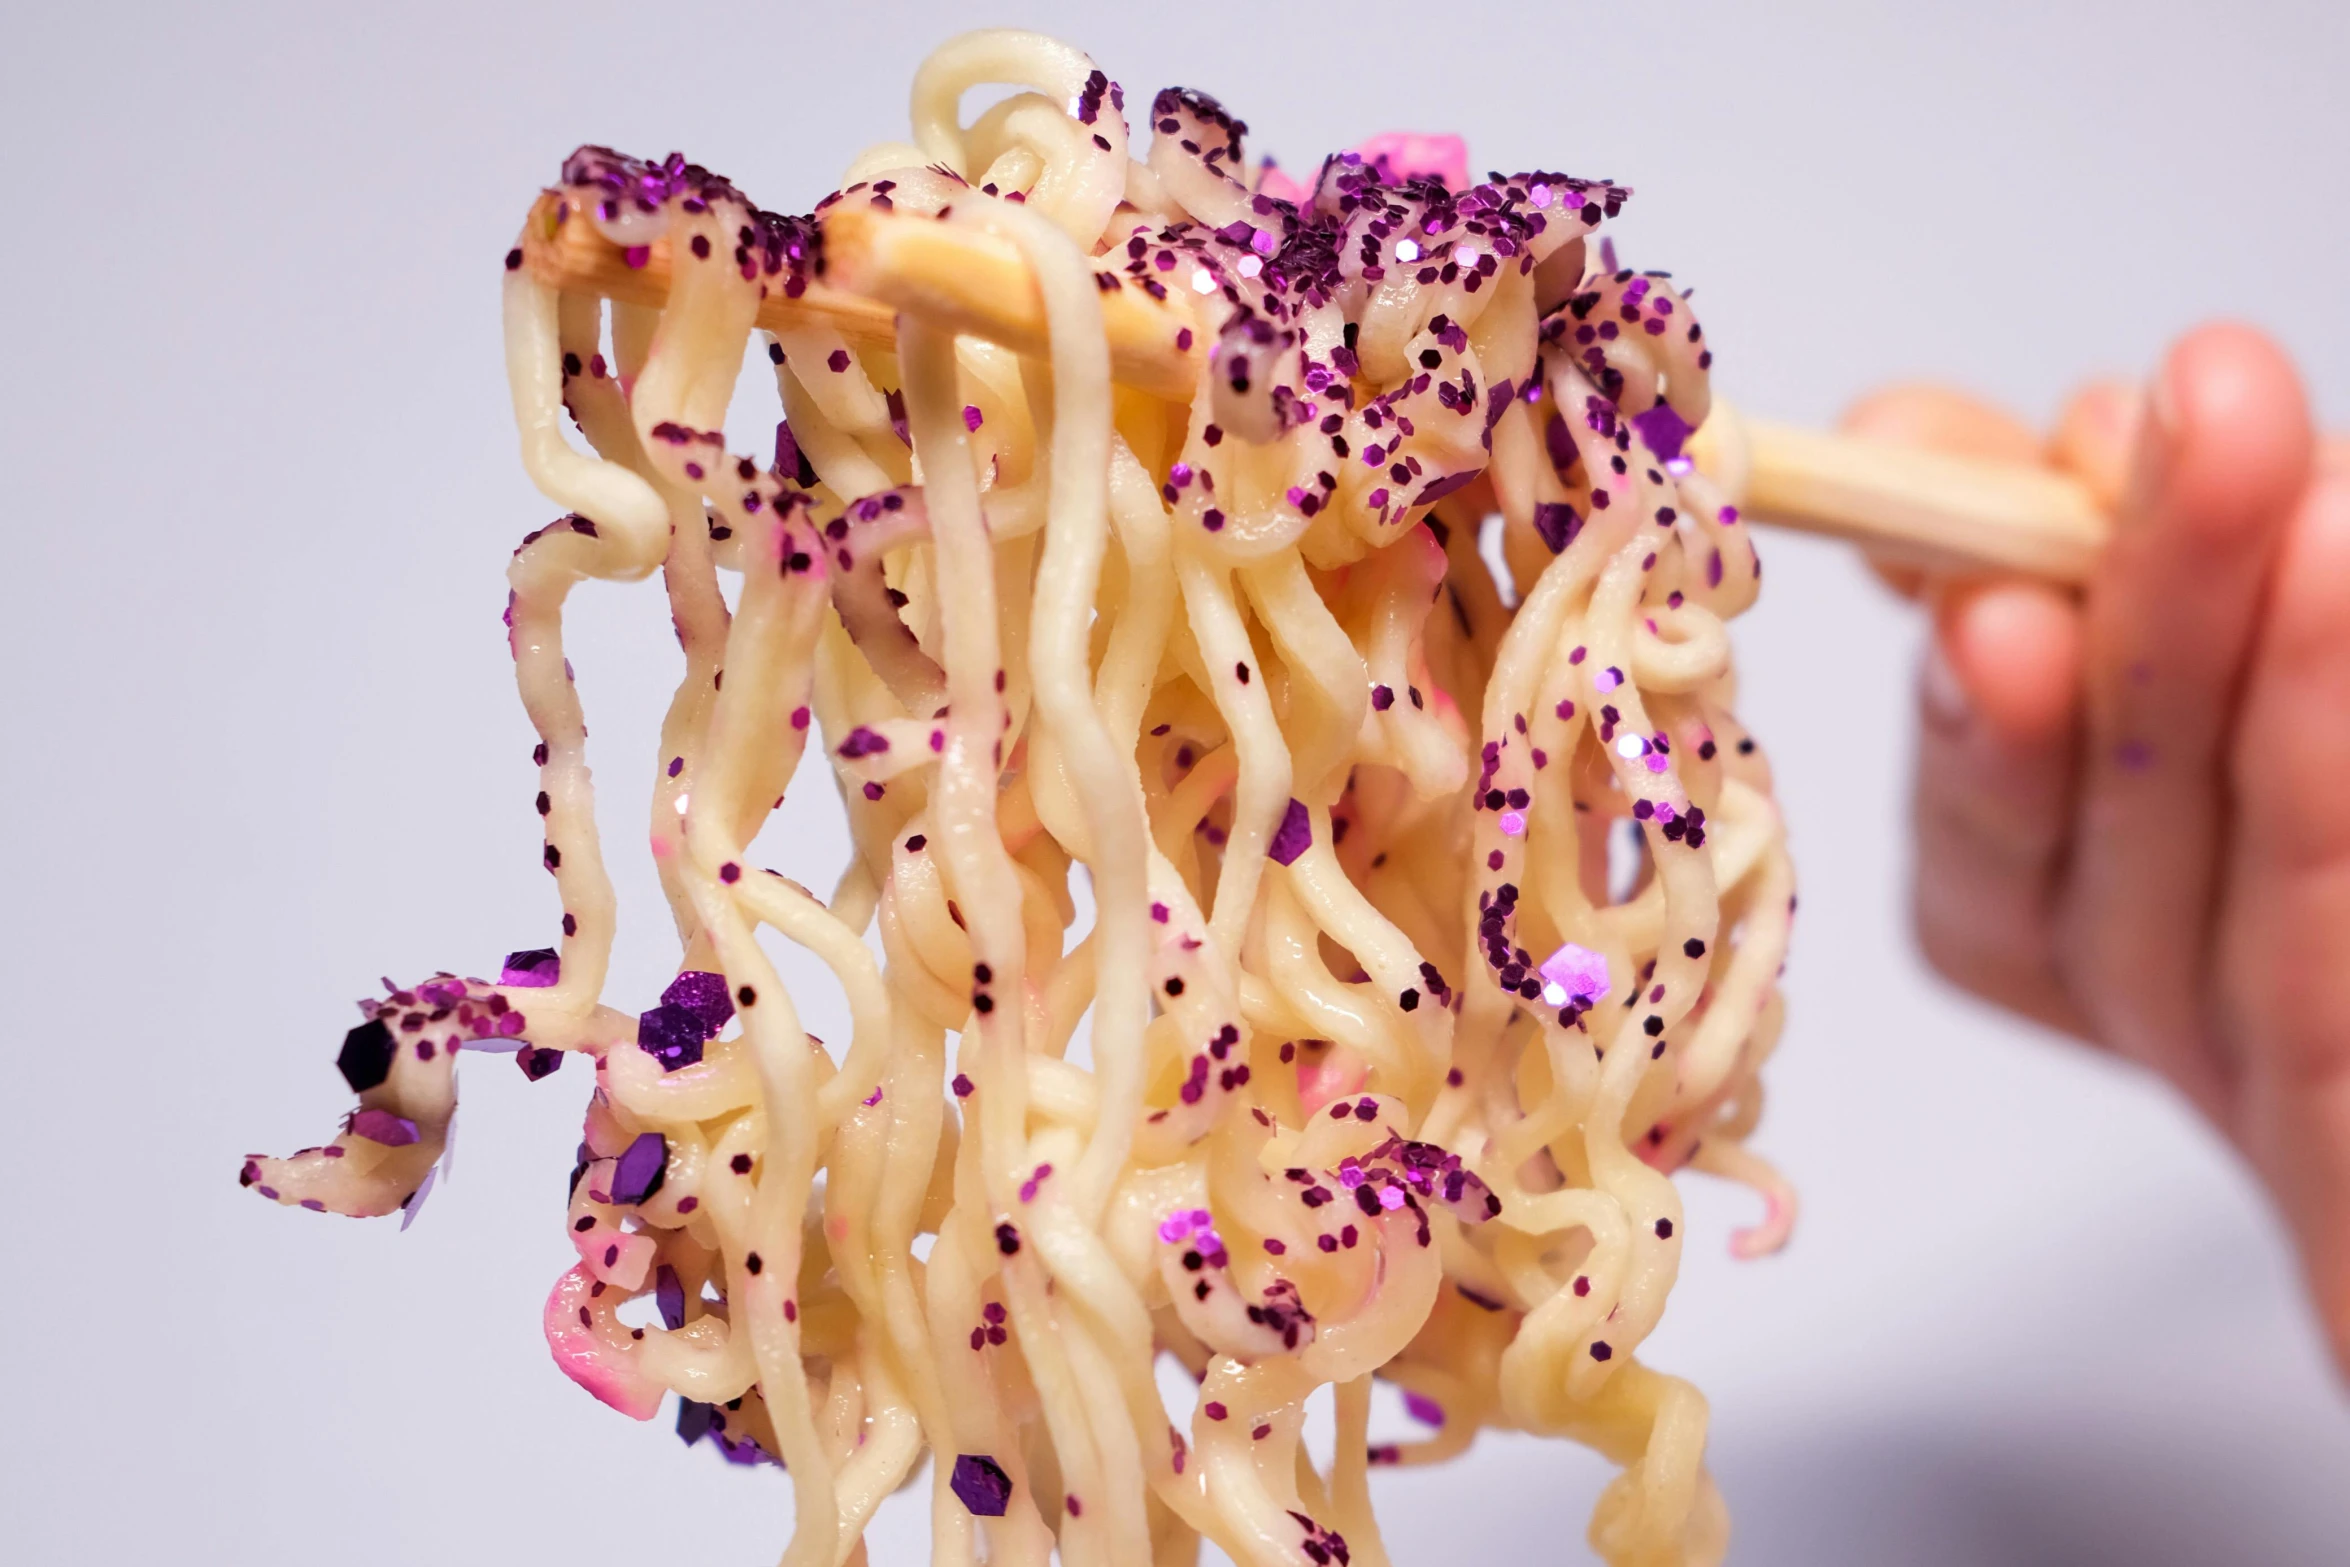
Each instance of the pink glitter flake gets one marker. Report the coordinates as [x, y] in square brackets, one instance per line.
[1576, 972]
[1415, 155]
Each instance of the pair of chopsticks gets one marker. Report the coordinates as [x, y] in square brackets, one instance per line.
[1907, 506]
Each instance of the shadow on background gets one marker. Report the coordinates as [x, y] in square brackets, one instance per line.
[2045, 1497]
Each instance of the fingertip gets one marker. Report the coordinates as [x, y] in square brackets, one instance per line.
[1938, 418]
[2015, 650]
[2308, 618]
[2227, 439]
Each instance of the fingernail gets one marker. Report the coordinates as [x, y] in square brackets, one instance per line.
[1940, 696]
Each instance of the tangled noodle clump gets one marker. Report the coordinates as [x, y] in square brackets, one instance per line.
[1389, 1069]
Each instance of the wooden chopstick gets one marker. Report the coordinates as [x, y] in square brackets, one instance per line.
[878, 264]
[574, 257]
[1904, 505]
[1915, 507]
[973, 281]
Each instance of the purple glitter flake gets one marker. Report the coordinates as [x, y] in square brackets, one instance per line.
[381, 1126]
[1423, 1408]
[366, 1057]
[1294, 838]
[494, 1045]
[696, 1420]
[537, 1063]
[1663, 430]
[532, 970]
[1438, 489]
[1574, 972]
[745, 1451]
[981, 1485]
[415, 1203]
[702, 993]
[641, 1169]
[671, 1035]
[1557, 524]
[669, 1295]
[790, 462]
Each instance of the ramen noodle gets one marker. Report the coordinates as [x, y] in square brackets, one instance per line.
[1374, 672]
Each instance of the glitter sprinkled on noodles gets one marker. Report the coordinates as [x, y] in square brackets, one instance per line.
[1391, 1071]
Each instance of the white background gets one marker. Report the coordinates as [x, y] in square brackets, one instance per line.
[259, 485]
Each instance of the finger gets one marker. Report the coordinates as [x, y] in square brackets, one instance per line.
[2015, 647]
[1994, 758]
[2333, 454]
[2093, 437]
[1993, 794]
[2222, 456]
[1937, 419]
[2287, 903]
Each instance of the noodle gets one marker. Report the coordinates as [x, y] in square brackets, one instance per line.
[1389, 1070]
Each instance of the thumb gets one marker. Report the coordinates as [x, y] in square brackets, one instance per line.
[2094, 438]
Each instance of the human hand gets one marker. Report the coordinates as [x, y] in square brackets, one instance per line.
[2132, 806]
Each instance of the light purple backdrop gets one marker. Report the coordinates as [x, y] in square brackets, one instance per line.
[260, 484]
